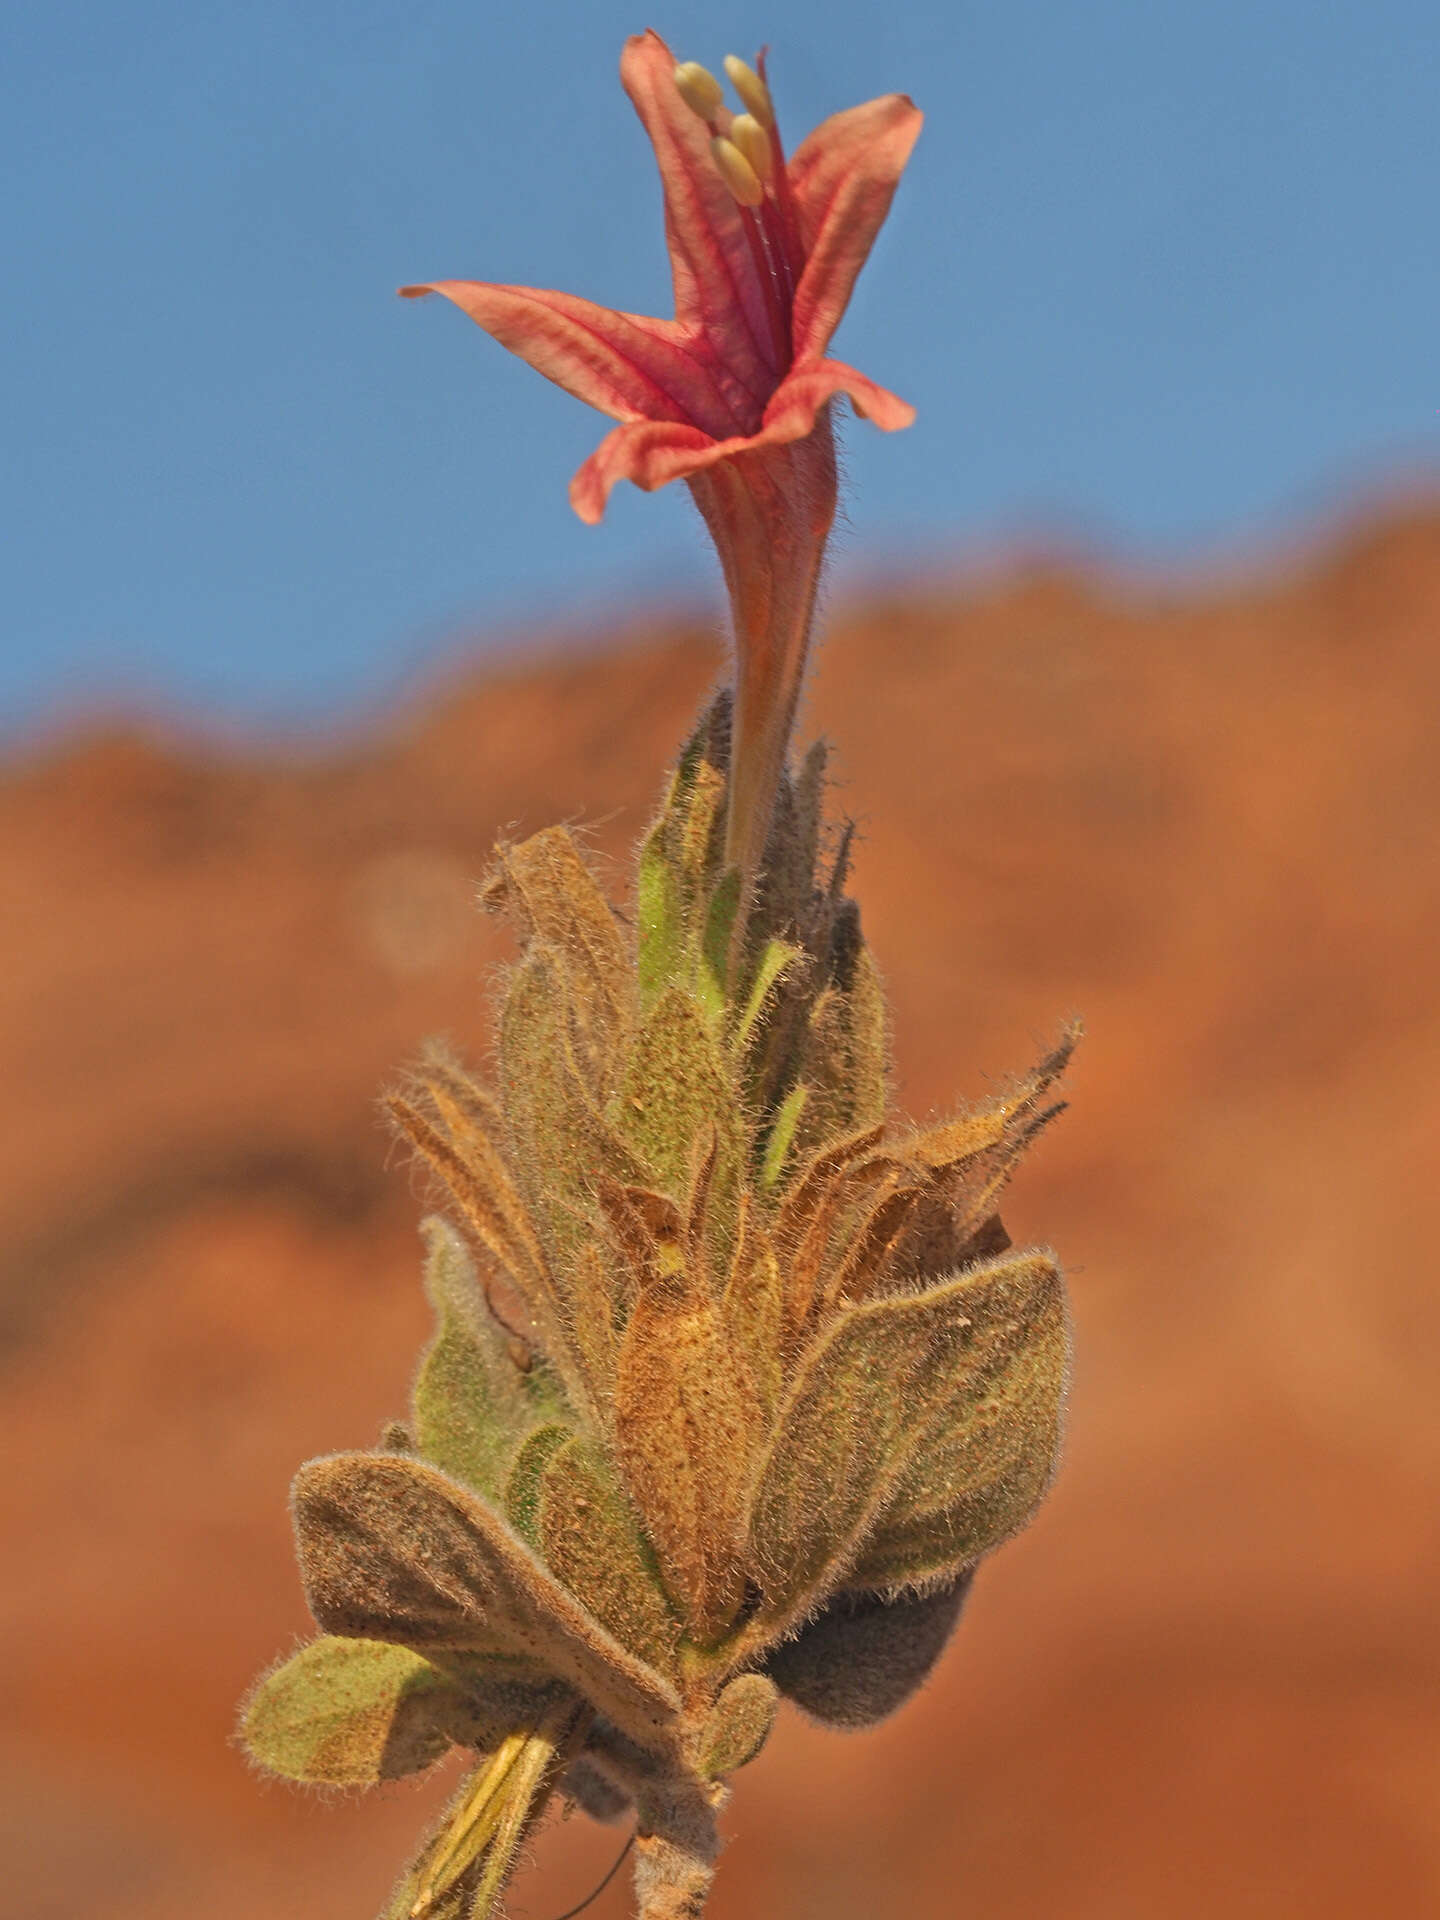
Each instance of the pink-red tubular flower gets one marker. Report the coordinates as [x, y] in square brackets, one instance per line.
[732, 395]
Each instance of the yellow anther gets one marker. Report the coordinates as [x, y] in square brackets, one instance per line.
[737, 173]
[699, 89]
[753, 141]
[751, 89]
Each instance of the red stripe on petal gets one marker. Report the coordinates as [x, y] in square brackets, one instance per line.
[625, 364]
[716, 289]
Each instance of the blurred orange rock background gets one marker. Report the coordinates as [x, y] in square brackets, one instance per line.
[1205, 819]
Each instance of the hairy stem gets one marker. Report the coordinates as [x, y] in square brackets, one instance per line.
[675, 1855]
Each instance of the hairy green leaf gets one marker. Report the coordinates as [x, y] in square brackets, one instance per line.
[474, 1405]
[712, 982]
[869, 1044]
[753, 1309]
[591, 1540]
[527, 1477]
[390, 1549]
[593, 1793]
[984, 1449]
[675, 1088]
[678, 872]
[350, 1713]
[779, 958]
[836, 1440]
[660, 914]
[739, 1725]
[560, 1141]
[781, 1137]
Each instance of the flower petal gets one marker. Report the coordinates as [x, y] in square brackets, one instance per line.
[652, 453]
[716, 287]
[626, 364]
[802, 393]
[649, 452]
[843, 177]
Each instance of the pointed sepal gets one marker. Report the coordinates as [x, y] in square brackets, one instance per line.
[687, 1418]
[546, 885]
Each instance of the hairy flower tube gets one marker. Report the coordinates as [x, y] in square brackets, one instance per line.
[735, 1377]
[734, 394]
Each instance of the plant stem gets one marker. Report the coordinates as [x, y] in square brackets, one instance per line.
[675, 1858]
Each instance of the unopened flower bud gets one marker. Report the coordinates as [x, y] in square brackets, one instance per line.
[737, 173]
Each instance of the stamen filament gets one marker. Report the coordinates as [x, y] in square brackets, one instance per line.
[794, 245]
[789, 214]
[779, 253]
[777, 305]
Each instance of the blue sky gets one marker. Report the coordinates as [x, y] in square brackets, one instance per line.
[1163, 279]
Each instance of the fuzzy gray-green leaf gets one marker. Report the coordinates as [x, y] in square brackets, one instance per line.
[674, 1089]
[474, 1405]
[591, 1540]
[781, 1137]
[836, 1440]
[739, 1725]
[983, 1449]
[712, 980]
[659, 912]
[391, 1550]
[778, 958]
[869, 1037]
[863, 1656]
[558, 1138]
[527, 1477]
[349, 1713]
